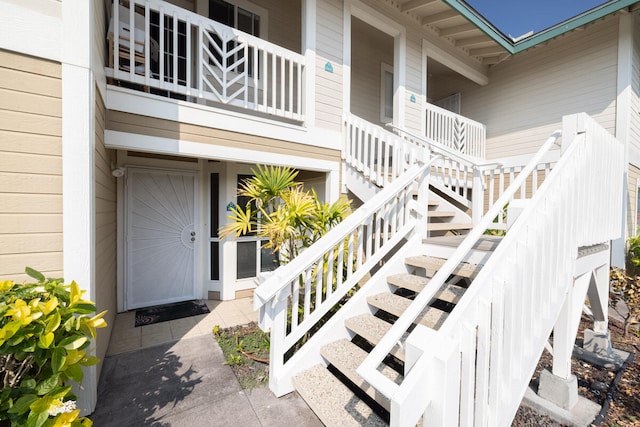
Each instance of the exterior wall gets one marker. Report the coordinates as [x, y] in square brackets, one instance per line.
[371, 47]
[329, 40]
[30, 166]
[285, 27]
[528, 94]
[106, 230]
[135, 124]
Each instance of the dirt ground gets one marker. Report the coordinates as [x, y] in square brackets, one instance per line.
[595, 383]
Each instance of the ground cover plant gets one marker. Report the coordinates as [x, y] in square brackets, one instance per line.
[246, 350]
[45, 333]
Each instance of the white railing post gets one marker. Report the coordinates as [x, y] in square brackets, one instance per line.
[477, 195]
[277, 336]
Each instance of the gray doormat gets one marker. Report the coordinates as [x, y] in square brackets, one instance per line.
[163, 313]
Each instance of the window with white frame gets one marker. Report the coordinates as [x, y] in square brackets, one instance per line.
[386, 93]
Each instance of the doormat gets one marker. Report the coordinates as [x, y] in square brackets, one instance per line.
[163, 313]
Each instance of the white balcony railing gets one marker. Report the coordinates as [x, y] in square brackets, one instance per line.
[200, 60]
[456, 132]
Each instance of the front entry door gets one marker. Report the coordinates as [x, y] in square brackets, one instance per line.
[160, 240]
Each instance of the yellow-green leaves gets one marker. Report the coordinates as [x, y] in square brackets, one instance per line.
[45, 329]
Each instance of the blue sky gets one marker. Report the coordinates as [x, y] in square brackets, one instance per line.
[516, 17]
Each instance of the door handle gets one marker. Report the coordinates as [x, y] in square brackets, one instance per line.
[193, 236]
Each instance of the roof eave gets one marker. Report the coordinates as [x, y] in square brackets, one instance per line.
[514, 47]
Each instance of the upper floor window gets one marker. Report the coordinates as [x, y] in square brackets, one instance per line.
[246, 17]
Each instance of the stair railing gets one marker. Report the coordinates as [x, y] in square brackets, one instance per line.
[477, 184]
[489, 345]
[456, 132]
[301, 293]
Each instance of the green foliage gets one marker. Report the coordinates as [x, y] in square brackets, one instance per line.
[633, 255]
[281, 211]
[45, 329]
[246, 350]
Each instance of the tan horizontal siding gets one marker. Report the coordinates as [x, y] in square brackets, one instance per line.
[105, 194]
[30, 166]
[131, 123]
[633, 180]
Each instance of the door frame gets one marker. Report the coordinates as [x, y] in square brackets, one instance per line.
[124, 220]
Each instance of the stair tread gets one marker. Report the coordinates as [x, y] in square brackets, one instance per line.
[372, 329]
[440, 214]
[332, 401]
[449, 292]
[442, 226]
[484, 243]
[347, 357]
[431, 317]
[432, 263]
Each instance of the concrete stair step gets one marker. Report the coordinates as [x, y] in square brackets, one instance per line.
[433, 203]
[434, 264]
[346, 357]
[484, 243]
[372, 329]
[441, 214]
[449, 293]
[430, 317]
[332, 401]
[445, 226]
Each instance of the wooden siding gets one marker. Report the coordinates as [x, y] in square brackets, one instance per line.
[285, 22]
[528, 94]
[633, 180]
[329, 42]
[105, 229]
[30, 166]
[132, 123]
[371, 47]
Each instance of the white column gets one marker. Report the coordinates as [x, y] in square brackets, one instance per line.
[623, 122]
[78, 111]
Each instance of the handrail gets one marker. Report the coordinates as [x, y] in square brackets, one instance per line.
[368, 369]
[280, 279]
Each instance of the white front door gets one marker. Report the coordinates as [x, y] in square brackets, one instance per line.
[160, 240]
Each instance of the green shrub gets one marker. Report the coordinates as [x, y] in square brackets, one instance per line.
[45, 331]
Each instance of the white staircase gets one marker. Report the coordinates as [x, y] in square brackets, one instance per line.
[380, 322]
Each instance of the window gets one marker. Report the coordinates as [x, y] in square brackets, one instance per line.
[239, 17]
[386, 93]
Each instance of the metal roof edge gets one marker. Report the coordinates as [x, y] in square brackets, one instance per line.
[515, 47]
[572, 23]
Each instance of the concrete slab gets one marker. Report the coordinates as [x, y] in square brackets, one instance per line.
[185, 383]
[581, 415]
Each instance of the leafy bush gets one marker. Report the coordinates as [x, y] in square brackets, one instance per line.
[633, 255]
[45, 330]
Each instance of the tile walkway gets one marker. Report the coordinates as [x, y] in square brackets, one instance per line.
[126, 337]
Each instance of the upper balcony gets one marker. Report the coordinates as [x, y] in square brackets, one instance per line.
[183, 55]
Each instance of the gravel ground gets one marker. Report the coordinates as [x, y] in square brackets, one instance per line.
[593, 383]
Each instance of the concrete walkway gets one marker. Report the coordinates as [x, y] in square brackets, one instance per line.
[184, 382]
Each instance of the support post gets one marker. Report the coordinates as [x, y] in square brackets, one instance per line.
[477, 196]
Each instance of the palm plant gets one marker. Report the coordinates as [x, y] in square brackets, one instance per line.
[281, 211]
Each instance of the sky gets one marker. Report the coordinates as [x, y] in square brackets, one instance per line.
[517, 17]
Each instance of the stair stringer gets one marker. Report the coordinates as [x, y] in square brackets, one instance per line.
[358, 183]
[335, 329]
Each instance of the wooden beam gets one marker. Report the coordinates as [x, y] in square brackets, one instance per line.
[487, 51]
[472, 41]
[458, 29]
[412, 5]
[439, 17]
[495, 59]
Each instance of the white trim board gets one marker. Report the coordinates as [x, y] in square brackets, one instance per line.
[33, 28]
[129, 141]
